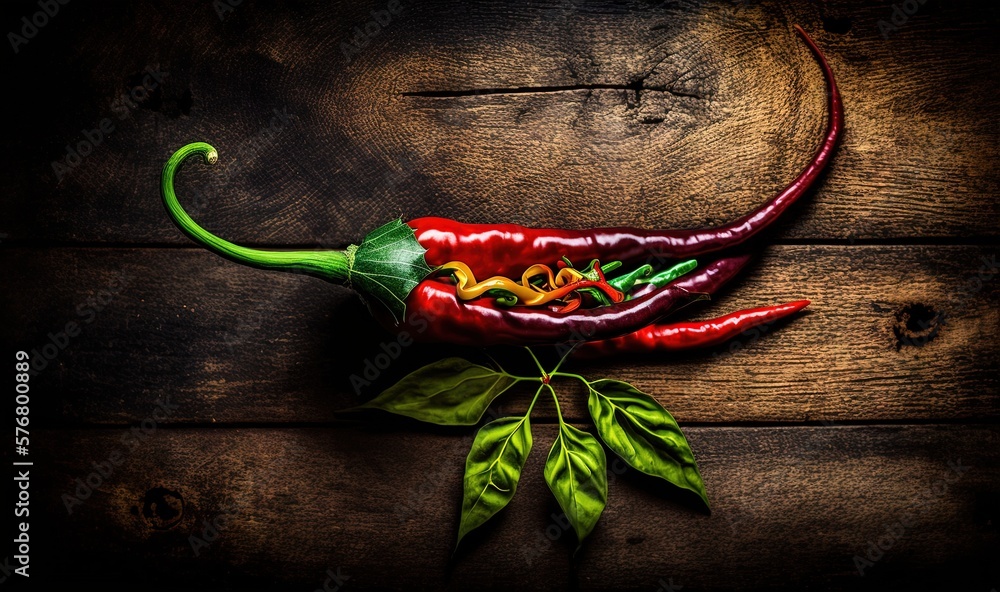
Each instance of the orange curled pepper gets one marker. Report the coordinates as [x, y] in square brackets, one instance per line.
[554, 286]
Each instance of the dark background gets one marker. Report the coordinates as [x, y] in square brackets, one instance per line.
[815, 438]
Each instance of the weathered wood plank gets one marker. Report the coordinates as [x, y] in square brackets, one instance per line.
[667, 115]
[792, 507]
[893, 333]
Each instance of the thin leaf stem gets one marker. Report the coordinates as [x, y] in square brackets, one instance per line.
[537, 363]
[555, 370]
[571, 375]
[522, 378]
[503, 372]
[533, 401]
[556, 401]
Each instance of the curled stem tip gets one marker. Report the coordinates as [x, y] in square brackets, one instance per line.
[328, 265]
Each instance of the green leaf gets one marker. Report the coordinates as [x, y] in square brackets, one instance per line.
[644, 434]
[493, 469]
[576, 471]
[387, 265]
[452, 391]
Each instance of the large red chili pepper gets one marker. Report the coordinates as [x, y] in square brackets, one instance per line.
[390, 266]
[689, 335]
[508, 249]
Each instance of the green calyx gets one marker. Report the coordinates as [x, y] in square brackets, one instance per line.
[386, 266]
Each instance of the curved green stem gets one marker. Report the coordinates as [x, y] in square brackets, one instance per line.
[333, 266]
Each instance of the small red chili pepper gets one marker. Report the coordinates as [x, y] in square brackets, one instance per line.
[690, 335]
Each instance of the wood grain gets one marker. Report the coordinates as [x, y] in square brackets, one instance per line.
[544, 113]
[792, 507]
[893, 333]
[207, 392]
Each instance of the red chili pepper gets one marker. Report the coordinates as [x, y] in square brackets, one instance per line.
[434, 313]
[683, 336]
[508, 249]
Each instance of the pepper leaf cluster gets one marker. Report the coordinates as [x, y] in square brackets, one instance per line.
[629, 422]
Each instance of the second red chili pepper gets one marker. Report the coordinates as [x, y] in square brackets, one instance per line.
[435, 314]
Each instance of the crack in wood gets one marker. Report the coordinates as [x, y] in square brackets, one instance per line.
[637, 86]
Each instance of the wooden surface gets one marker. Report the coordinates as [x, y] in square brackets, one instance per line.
[793, 506]
[814, 438]
[216, 335]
